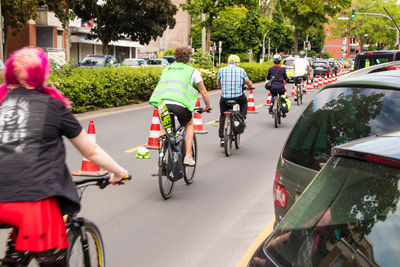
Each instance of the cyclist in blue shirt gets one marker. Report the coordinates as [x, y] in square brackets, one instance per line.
[231, 79]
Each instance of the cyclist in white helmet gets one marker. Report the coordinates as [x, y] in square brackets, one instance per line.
[301, 68]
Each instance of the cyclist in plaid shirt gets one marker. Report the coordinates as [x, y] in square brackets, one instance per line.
[231, 79]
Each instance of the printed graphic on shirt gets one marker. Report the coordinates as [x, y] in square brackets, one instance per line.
[14, 114]
[21, 123]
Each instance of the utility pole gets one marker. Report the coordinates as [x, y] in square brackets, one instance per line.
[263, 48]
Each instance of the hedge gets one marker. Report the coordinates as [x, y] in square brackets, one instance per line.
[90, 89]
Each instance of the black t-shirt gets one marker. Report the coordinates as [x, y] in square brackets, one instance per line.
[279, 76]
[32, 152]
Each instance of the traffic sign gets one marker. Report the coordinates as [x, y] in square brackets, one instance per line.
[341, 59]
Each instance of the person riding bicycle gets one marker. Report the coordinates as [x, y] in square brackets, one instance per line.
[178, 89]
[301, 69]
[36, 188]
[231, 79]
[277, 75]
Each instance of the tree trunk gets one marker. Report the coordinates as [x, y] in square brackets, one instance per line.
[210, 20]
[67, 41]
[105, 49]
[296, 39]
[5, 42]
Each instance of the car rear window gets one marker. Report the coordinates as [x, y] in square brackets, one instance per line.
[320, 63]
[336, 116]
[289, 63]
[374, 59]
[93, 61]
[348, 214]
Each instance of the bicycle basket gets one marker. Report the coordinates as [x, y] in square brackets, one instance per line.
[238, 123]
[175, 166]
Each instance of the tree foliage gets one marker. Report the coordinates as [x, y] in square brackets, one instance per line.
[280, 35]
[16, 14]
[368, 29]
[304, 13]
[139, 20]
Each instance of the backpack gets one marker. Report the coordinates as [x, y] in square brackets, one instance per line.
[175, 166]
[238, 123]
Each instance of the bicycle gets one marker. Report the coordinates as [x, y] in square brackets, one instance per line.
[277, 110]
[299, 90]
[177, 132]
[229, 134]
[89, 252]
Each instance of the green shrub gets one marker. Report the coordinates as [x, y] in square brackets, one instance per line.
[202, 59]
[90, 89]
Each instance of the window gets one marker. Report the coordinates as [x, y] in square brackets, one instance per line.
[338, 115]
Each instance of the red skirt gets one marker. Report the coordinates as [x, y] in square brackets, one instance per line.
[40, 224]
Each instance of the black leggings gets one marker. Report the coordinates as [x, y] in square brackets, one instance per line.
[47, 258]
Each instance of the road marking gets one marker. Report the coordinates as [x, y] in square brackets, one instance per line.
[259, 106]
[211, 122]
[260, 239]
[133, 149]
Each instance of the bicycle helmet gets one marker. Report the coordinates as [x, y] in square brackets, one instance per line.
[277, 59]
[234, 58]
[302, 54]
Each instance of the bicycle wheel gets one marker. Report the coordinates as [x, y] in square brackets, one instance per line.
[166, 185]
[237, 141]
[279, 113]
[189, 171]
[95, 249]
[228, 136]
[275, 115]
[299, 96]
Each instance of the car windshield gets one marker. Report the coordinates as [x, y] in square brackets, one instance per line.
[93, 61]
[154, 62]
[348, 216]
[339, 115]
[378, 58]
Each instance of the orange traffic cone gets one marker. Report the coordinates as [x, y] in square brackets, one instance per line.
[88, 168]
[320, 81]
[250, 103]
[309, 86]
[293, 90]
[269, 97]
[329, 78]
[334, 79]
[155, 129]
[326, 80]
[315, 82]
[197, 121]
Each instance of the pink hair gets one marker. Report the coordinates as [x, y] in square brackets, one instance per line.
[30, 68]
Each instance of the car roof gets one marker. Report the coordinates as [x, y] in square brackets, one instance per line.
[386, 146]
[387, 79]
[371, 69]
[379, 52]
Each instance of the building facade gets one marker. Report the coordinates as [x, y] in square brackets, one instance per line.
[338, 47]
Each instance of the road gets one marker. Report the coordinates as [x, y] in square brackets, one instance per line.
[212, 222]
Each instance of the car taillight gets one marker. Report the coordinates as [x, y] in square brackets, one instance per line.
[327, 66]
[384, 161]
[279, 193]
[370, 54]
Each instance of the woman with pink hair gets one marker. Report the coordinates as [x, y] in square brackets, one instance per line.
[36, 188]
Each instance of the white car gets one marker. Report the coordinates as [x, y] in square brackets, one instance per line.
[134, 62]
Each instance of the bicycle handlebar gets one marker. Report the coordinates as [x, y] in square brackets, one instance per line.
[244, 87]
[101, 181]
[200, 110]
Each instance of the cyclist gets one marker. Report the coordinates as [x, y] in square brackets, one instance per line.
[231, 79]
[36, 188]
[177, 89]
[278, 75]
[301, 68]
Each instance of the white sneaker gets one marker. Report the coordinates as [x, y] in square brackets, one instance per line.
[189, 161]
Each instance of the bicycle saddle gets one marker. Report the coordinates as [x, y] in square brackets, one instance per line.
[230, 102]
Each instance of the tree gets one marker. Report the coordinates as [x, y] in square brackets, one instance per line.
[212, 9]
[279, 33]
[303, 13]
[16, 14]
[139, 20]
[249, 29]
[367, 29]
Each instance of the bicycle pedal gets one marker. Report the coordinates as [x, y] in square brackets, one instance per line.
[154, 174]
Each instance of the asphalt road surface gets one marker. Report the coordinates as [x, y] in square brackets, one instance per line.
[213, 221]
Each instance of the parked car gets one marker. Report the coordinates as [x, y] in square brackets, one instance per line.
[97, 61]
[334, 65]
[391, 65]
[321, 67]
[134, 62]
[343, 111]
[348, 215]
[370, 58]
[289, 67]
[160, 62]
[170, 59]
